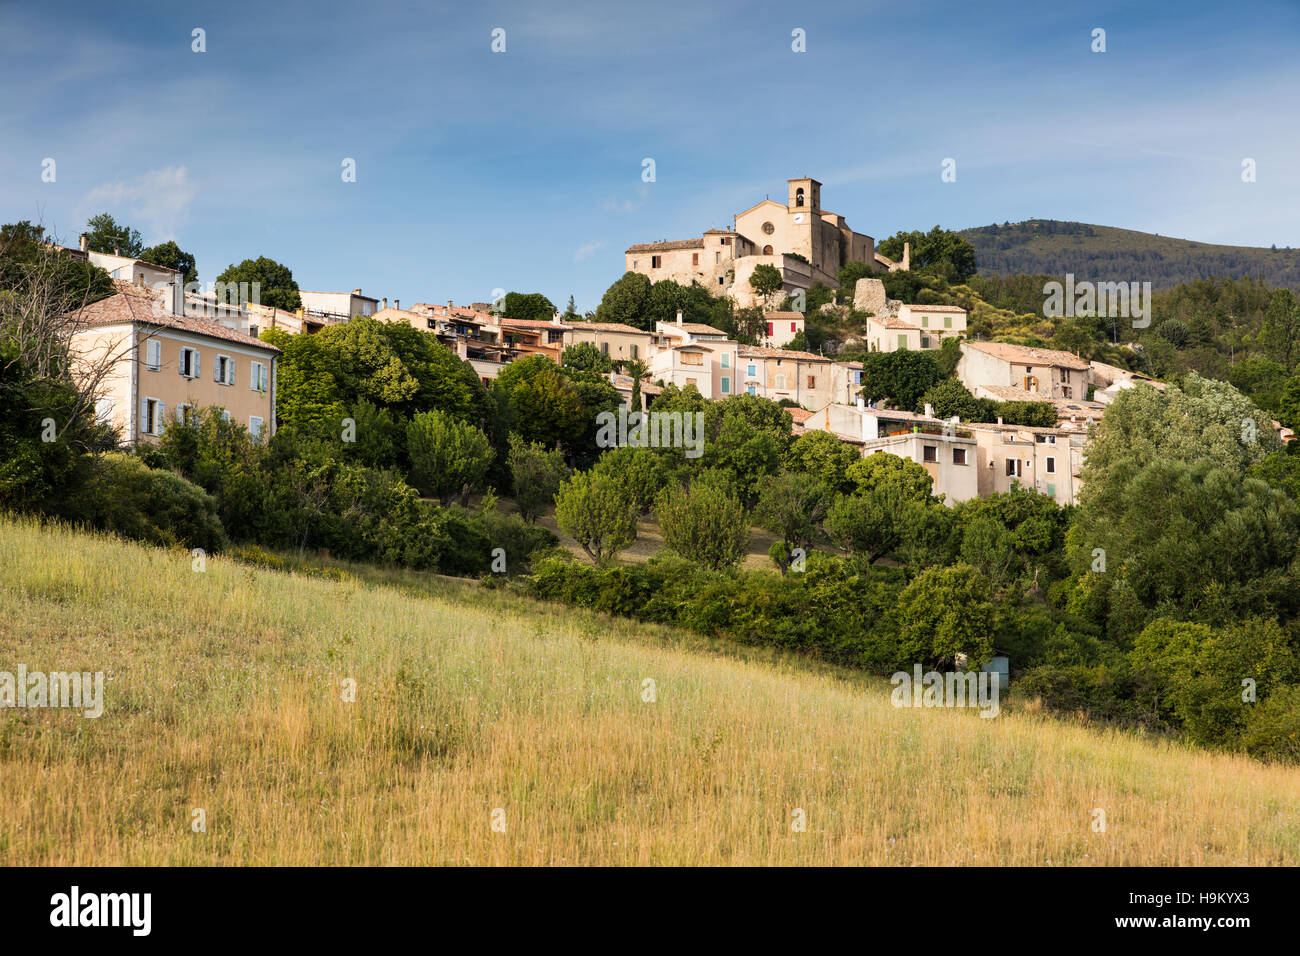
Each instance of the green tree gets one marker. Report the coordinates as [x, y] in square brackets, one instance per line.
[766, 280]
[532, 306]
[950, 397]
[871, 524]
[597, 511]
[885, 472]
[1280, 333]
[172, 256]
[792, 506]
[536, 473]
[448, 457]
[627, 301]
[106, 234]
[901, 377]
[277, 287]
[940, 251]
[587, 357]
[703, 523]
[822, 457]
[944, 612]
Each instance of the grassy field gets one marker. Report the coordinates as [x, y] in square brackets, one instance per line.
[225, 693]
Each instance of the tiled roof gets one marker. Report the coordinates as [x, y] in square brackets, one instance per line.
[137, 304]
[694, 328]
[783, 315]
[667, 246]
[890, 322]
[756, 351]
[1025, 355]
[800, 415]
[935, 308]
[607, 327]
[533, 324]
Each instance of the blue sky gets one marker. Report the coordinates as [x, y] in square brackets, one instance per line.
[522, 170]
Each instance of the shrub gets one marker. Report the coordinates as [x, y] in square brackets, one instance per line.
[125, 496]
[704, 523]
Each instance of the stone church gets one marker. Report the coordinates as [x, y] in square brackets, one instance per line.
[806, 244]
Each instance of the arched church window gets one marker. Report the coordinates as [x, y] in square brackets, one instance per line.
[798, 196]
[767, 250]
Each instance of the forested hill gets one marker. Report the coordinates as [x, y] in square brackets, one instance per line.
[1052, 247]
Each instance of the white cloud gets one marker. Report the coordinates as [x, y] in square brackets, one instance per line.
[587, 249]
[157, 202]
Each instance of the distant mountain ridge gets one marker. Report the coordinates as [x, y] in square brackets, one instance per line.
[1053, 247]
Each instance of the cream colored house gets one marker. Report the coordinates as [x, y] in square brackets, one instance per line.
[1046, 460]
[949, 456]
[710, 367]
[940, 321]
[163, 364]
[780, 328]
[1042, 373]
[801, 377]
[338, 306]
[618, 341]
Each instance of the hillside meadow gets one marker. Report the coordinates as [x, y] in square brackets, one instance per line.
[225, 693]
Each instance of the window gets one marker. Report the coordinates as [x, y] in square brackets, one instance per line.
[1051, 490]
[726, 385]
[925, 321]
[151, 416]
[1031, 383]
[604, 348]
[902, 341]
[186, 415]
[722, 280]
[947, 321]
[224, 372]
[752, 371]
[767, 250]
[691, 381]
[1065, 392]
[930, 453]
[792, 327]
[636, 350]
[717, 258]
[1051, 466]
[254, 427]
[153, 354]
[753, 390]
[189, 364]
[726, 241]
[769, 328]
[655, 261]
[692, 358]
[635, 263]
[104, 410]
[1013, 467]
[257, 379]
[768, 228]
[780, 381]
[726, 360]
[798, 196]
[925, 341]
[695, 258]
[812, 381]
[959, 456]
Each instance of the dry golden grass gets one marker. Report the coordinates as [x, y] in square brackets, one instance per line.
[225, 694]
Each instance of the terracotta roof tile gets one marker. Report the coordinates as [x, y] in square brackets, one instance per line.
[136, 304]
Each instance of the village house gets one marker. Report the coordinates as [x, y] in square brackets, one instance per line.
[1042, 373]
[780, 328]
[338, 306]
[776, 374]
[708, 365]
[618, 341]
[162, 364]
[1046, 460]
[915, 327]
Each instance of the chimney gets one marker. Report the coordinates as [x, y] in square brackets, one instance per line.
[929, 410]
[449, 305]
[356, 291]
[383, 303]
[999, 419]
[178, 295]
[85, 242]
[397, 303]
[861, 403]
[679, 316]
